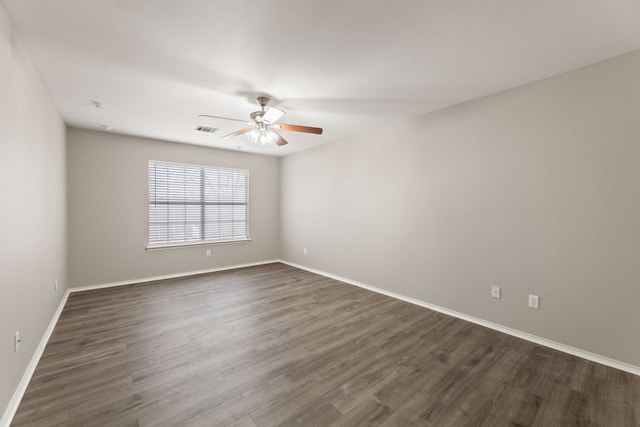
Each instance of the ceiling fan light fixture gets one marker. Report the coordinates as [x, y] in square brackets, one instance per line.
[262, 136]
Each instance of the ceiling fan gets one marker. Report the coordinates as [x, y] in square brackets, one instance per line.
[262, 127]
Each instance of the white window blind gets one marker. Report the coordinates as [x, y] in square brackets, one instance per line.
[191, 204]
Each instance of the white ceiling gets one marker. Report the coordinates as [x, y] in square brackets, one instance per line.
[346, 65]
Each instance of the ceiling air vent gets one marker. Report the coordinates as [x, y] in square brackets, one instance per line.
[206, 129]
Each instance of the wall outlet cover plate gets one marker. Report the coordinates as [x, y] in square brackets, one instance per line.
[534, 301]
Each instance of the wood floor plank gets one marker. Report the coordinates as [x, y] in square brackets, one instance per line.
[274, 345]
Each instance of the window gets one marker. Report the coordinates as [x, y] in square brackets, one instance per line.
[191, 204]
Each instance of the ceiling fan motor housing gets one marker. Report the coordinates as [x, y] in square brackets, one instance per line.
[256, 116]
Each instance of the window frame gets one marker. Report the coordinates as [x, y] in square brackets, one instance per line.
[174, 245]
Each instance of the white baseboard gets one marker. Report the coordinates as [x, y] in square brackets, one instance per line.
[169, 276]
[632, 369]
[11, 409]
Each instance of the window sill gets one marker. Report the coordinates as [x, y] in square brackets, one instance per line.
[191, 244]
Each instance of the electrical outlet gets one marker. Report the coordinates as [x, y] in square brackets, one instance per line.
[534, 301]
[304, 251]
[495, 291]
[16, 341]
[208, 252]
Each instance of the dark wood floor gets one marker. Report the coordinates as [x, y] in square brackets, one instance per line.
[274, 345]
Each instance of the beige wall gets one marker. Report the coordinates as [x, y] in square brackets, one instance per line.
[32, 209]
[108, 208]
[536, 189]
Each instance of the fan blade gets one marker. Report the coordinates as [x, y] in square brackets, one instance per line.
[281, 141]
[297, 128]
[223, 118]
[272, 115]
[240, 132]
